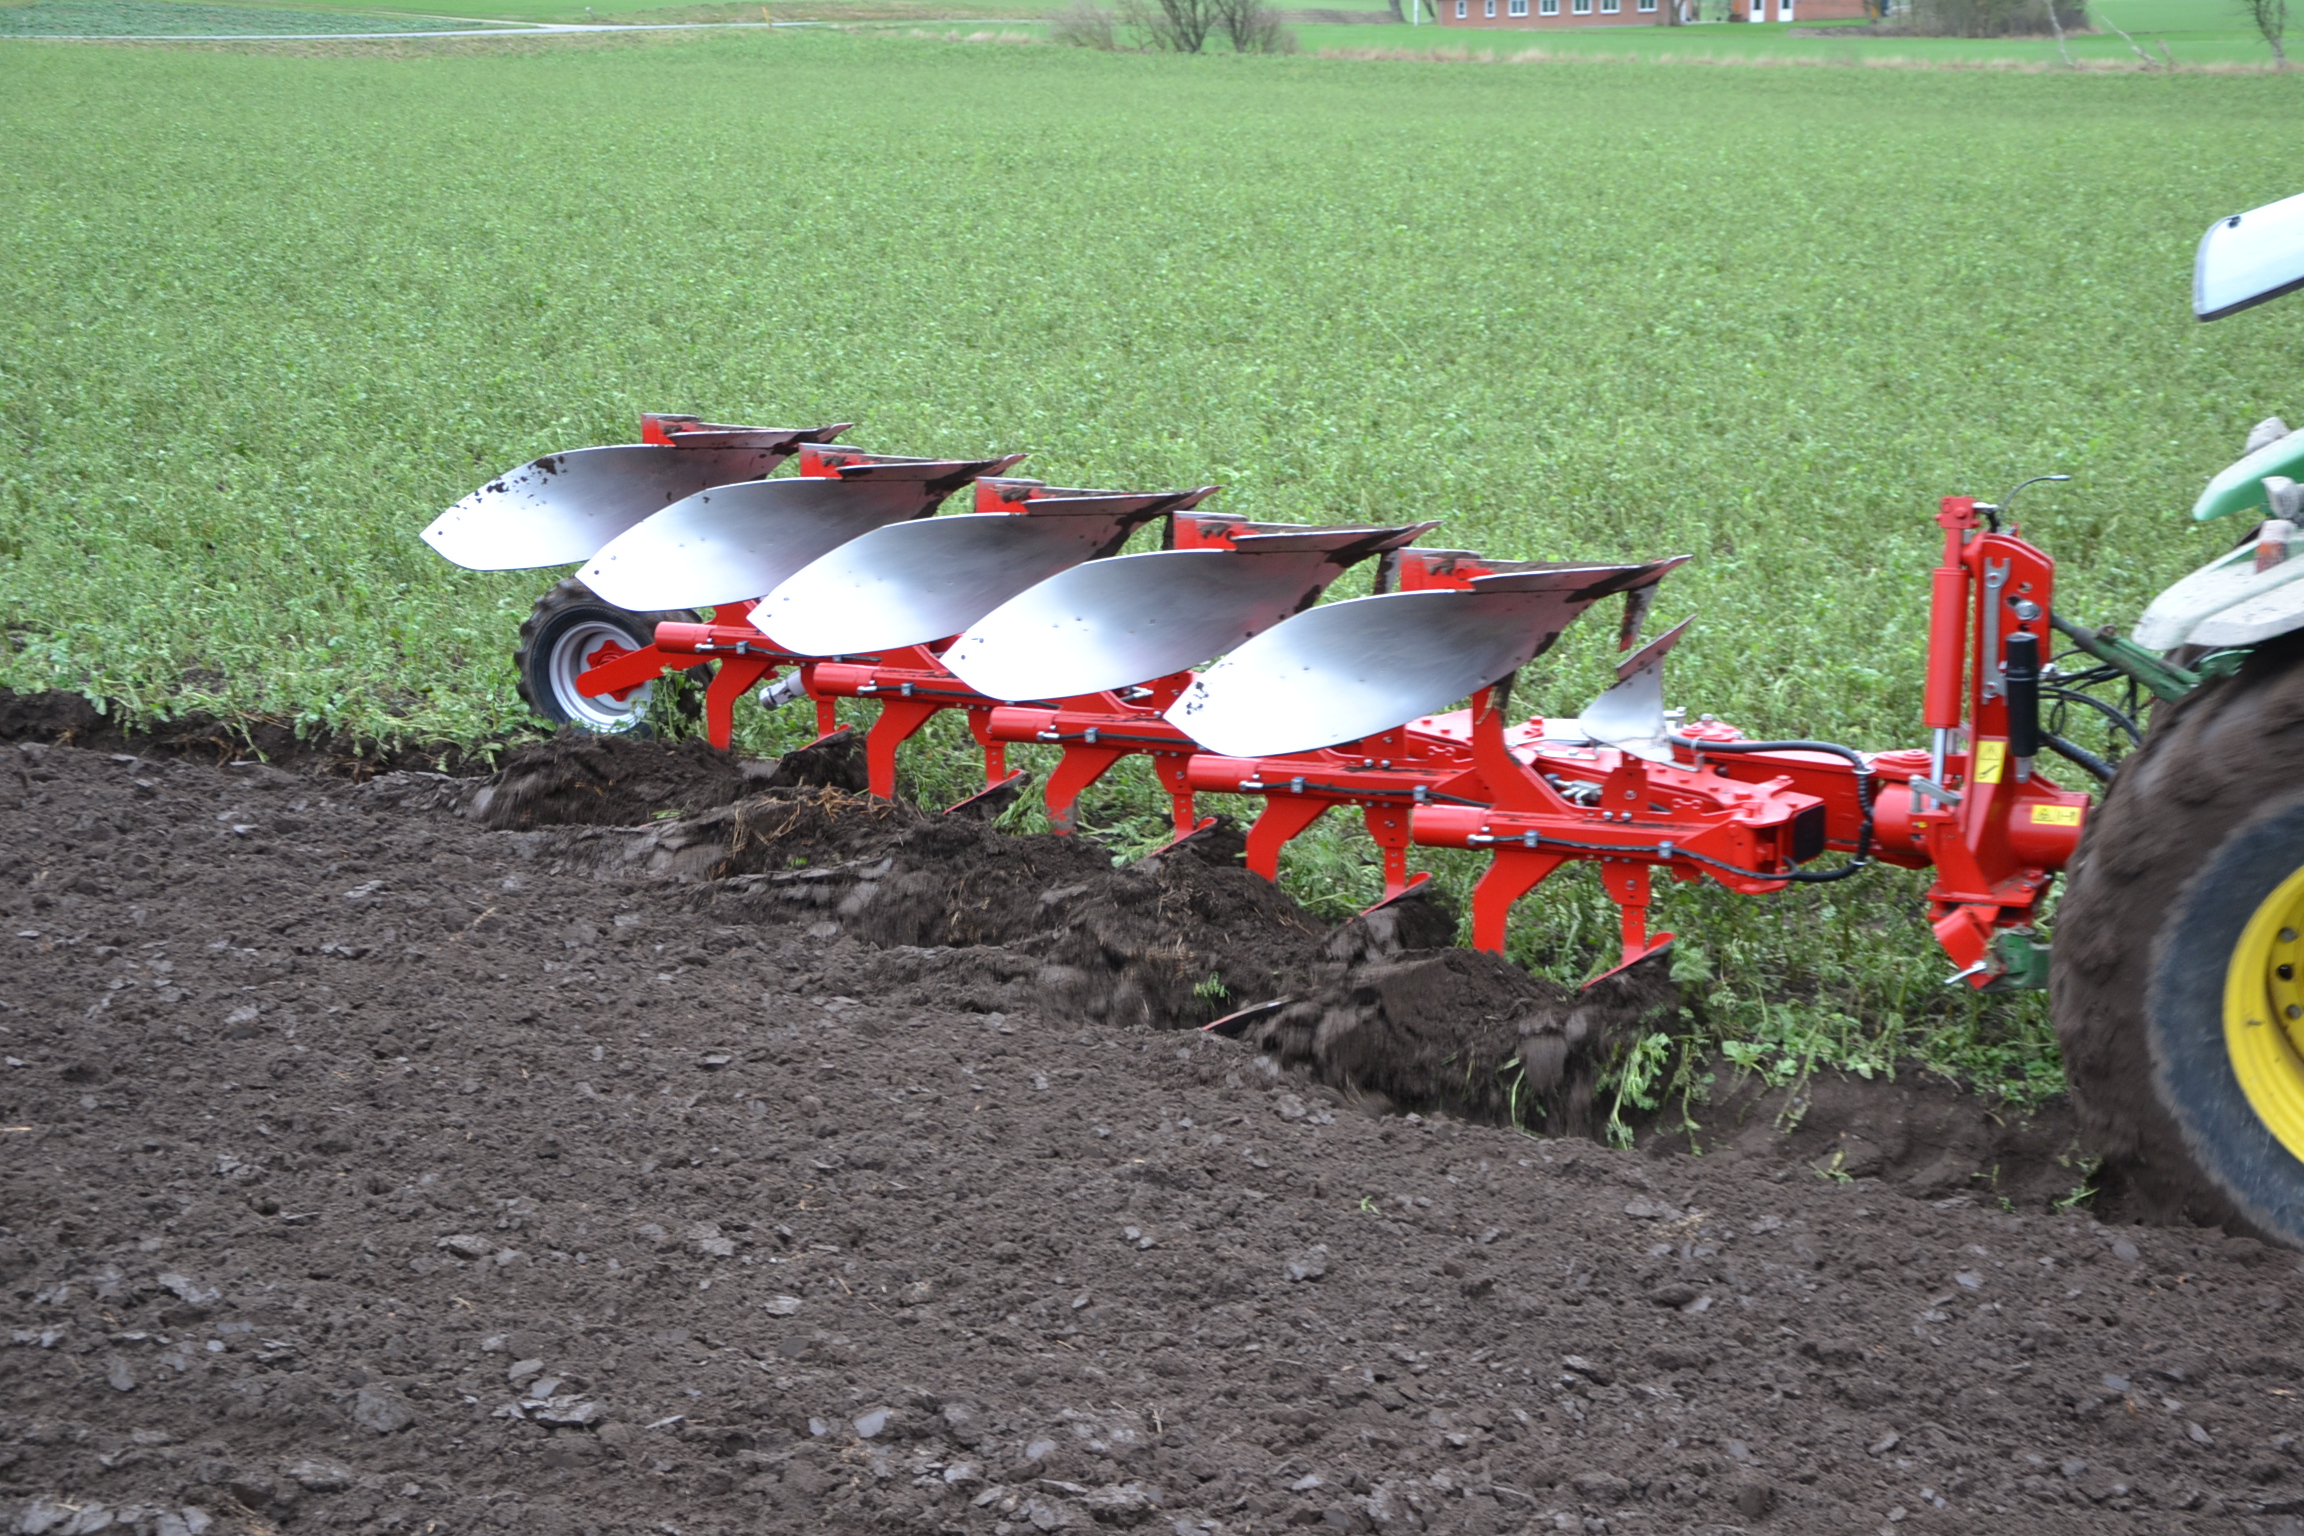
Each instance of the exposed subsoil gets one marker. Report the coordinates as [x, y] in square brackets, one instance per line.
[424, 1154]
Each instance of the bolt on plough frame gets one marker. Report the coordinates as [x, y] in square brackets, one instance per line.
[840, 582]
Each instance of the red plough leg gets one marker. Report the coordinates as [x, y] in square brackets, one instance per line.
[1284, 816]
[731, 682]
[1512, 874]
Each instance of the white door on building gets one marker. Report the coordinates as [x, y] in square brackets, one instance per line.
[1784, 10]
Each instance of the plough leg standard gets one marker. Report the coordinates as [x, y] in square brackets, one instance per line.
[840, 582]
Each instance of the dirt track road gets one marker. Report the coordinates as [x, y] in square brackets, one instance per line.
[368, 1169]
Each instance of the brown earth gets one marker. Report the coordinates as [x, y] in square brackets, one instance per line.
[67, 719]
[427, 1154]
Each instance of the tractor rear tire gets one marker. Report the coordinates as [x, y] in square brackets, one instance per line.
[2177, 944]
[570, 629]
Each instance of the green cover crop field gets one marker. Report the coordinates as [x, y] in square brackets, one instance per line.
[262, 317]
[162, 18]
[2189, 33]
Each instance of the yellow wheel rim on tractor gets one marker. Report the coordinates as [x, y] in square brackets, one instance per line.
[2263, 988]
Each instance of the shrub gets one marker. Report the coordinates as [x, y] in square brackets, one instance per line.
[1986, 18]
[1083, 25]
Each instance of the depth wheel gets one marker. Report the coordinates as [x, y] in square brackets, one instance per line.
[569, 631]
[2184, 1066]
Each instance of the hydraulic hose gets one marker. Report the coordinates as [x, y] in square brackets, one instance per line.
[2120, 718]
[2078, 754]
[1863, 854]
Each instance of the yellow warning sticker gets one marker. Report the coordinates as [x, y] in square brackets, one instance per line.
[1990, 755]
[2055, 815]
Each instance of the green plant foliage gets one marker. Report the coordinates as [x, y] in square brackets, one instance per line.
[259, 330]
[1634, 1077]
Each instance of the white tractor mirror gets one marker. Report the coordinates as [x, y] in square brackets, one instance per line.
[2249, 258]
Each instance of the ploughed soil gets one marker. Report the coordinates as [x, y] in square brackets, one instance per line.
[643, 1140]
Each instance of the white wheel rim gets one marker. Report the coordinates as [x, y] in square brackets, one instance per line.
[568, 661]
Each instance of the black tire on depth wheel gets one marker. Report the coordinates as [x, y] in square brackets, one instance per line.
[2193, 841]
[571, 629]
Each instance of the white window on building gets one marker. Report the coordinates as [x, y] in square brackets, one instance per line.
[1647, 5]
[1463, 9]
[1516, 8]
[1580, 7]
[1490, 9]
[1547, 7]
[1611, 7]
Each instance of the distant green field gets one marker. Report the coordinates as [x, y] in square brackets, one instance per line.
[2194, 32]
[259, 330]
[81, 18]
[49, 18]
[2188, 32]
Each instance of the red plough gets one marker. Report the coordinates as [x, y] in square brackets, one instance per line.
[1023, 615]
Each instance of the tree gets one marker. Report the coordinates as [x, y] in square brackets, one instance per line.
[1254, 27]
[2271, 18]
[1179, 26]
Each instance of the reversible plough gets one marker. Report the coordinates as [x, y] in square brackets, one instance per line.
[841, 582]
